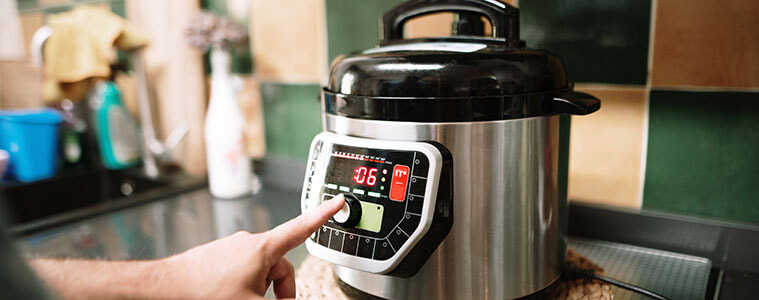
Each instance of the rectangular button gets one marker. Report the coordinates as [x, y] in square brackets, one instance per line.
[350, 244]
[417, 186]
[365, 247]
[415, 204]
[409, 223]
[398, 185]
[397, 238]
[383, 250]
[324, 234]
[336, 241]
[421, 165]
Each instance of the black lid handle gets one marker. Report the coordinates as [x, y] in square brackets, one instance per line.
[575, 103]
[503, 17]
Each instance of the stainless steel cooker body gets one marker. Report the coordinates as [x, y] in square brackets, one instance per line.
[509, 236]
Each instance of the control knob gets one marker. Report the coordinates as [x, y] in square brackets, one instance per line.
[350, 214]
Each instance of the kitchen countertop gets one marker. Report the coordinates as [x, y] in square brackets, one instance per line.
[183, 219]
[166, 226]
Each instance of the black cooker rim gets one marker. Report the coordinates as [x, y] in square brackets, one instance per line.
[455, 109]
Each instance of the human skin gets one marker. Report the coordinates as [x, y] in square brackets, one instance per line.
[240, 266]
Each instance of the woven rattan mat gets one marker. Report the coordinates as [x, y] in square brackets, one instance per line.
[315, 279]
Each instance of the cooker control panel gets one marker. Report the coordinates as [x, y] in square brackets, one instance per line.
[398, 202]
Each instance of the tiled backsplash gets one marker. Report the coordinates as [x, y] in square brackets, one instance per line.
[703, 153]
[678, 130]
[598, 40]
[680, 151]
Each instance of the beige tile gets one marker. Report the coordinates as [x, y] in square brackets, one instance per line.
[439, 24]
[289, 39]
[20, 85]
[605, 148]
[433, 25]
[706, 43]
[55, 2]
[249, 99]
[30, 22]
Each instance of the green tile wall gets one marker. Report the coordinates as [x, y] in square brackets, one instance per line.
[354, 25]
[703, 154]
[292, 117]
[23, 5]
[119, 7]
[598, 40]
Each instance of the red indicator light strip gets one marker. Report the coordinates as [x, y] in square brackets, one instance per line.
[360, 157]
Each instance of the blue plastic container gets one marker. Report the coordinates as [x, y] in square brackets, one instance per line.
[31, 139]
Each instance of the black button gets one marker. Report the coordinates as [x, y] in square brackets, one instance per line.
[421, 165]
[324, 233]
[415, 204]
[383, 250]
[417, 186]
[365, 247]
[336, 240]
[397, 238]
[350, 243]
[409, 223]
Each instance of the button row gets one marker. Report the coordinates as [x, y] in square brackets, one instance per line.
[356, 245]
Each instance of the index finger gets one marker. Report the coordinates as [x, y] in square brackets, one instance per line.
[294, 232]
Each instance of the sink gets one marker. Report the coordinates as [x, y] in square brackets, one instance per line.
[34, 201]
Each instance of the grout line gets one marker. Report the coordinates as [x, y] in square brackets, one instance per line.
[693, 88]
[647, 104]
[644, 147]
[323, 51]
[614, 86]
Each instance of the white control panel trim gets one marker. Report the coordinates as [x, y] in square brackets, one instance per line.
[317, 172]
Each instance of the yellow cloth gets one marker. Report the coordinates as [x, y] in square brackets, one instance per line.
[81, 47]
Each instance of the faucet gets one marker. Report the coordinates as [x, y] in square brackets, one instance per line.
[153, 150]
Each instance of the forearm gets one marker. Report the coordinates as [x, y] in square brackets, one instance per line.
[91, 279]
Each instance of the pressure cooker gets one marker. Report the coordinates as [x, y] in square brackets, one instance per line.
[451, 154]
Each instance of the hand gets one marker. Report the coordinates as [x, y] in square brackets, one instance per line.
[242, 266]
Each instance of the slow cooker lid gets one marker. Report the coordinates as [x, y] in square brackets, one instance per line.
[446, 67]
[458, 78]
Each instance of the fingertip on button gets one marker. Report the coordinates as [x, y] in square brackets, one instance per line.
[350, 213]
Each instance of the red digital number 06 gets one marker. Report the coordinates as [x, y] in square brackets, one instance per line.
[361, 177]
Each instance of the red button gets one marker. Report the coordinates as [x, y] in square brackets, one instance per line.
[398, 185]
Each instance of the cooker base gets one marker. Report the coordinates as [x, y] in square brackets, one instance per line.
[549, 292]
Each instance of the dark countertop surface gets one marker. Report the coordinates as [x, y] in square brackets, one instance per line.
[189, 215]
